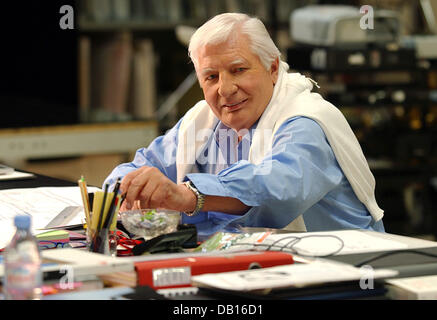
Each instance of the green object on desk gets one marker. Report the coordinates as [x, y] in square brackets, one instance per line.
[149, 215]
[53, 235]
[220, 241]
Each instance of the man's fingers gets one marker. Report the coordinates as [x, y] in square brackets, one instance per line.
[145, 193]
[135, 185]
[125, 182]
[137, 205]
[123, 207]
[157, 195]
[148, 185]
[134, 191]
[151, 194]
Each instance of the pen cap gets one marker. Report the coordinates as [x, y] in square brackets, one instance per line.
[22, 221]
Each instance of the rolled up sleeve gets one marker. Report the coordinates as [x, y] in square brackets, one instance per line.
[301, 170]
[161, 153]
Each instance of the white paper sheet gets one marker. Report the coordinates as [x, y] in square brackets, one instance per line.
[318, 243]
[15, 175]
[295, 275]
[42, 204]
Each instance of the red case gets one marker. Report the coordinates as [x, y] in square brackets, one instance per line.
[177, 272]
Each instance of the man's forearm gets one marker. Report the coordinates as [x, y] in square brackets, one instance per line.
[225, 204]
[213, 203]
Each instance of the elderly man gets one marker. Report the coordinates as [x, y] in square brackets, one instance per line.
[260, 151]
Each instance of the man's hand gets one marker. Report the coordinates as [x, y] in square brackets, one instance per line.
[148, 188]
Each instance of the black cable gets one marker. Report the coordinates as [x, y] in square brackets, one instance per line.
[264, 245]
[293, 242]
[325, 236]
[386, 254]
[289, 247]
[273, 244]
[296, 240]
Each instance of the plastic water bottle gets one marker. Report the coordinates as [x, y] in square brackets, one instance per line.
[22, 262]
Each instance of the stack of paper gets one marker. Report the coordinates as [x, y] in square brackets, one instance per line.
[289, 276]
[414, 288]
[15, 175]
[318, 244]
[43, 205]
[127, 279]
[85, 263]
[79, 263]
[54, 235]
[53, 239]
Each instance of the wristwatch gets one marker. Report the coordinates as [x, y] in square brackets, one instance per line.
[200, 199]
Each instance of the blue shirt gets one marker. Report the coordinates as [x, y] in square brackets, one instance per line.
[304, 178]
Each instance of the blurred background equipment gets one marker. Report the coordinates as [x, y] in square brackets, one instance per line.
[342, 25]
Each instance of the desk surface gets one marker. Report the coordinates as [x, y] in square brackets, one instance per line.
[407, 264]
[412, 243]
[34, 182]
[419, 258]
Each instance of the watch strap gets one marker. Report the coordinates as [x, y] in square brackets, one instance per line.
[199, 196]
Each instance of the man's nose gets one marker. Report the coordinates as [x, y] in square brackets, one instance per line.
[227, 86]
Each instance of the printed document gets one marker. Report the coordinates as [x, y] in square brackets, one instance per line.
[319, 244]
[42, 204]
[287, 276]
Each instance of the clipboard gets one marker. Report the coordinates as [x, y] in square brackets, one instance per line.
[63, 219]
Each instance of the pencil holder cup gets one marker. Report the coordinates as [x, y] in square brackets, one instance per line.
[113, 242]
[89, 237]
[104, 242]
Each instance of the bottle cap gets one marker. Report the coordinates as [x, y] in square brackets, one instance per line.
[22, 221]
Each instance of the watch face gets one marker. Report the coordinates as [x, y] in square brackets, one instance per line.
[192, 185]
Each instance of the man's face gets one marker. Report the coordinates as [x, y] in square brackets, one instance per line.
[235, 84]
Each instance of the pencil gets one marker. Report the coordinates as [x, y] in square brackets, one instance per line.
[123, 196]
[102, 209]
[111, 214]
[113, 205]
[85, 200]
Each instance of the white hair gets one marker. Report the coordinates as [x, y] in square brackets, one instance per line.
[218, 29]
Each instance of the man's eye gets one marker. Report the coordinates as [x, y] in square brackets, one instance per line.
[240, 69]
[211, 77]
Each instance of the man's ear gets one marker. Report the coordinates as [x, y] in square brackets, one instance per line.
[274, 70]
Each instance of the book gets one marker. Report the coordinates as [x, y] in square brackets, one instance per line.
[195, 10]
[117, 70]
[53, 239]
[175, 13]
[413, 288]
[138, 10]
[54, 235]
[82, 262]
[84, 77]
[178, 271]
[121, 10]
[44, 204]
[317, 272]
[99, 10]
[78, 283]
[143, 90]
[126, 279]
